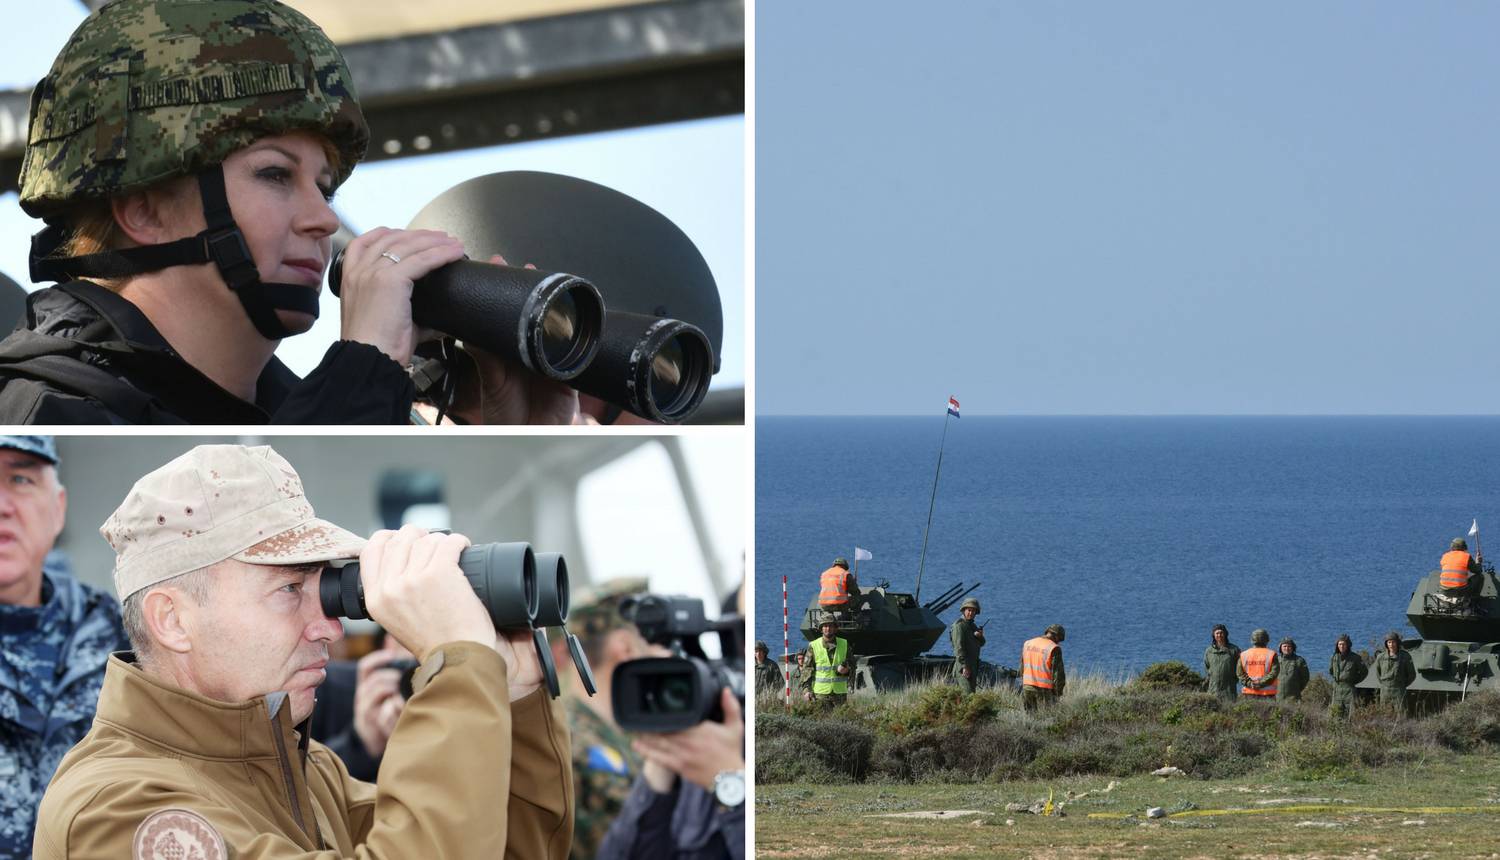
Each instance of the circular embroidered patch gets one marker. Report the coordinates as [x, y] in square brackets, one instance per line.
[177, 834]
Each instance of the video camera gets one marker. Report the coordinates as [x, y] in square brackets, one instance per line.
[669, 694]
[520, 589]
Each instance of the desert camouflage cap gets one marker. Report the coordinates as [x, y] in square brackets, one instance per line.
[214, 503]
[147, 90]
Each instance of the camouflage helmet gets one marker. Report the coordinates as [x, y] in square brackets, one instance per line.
[1287, 640]
[1458, 543]
[1056, 631]
[841, 562]
[825, 618]
[1393, 636]
[971, 603]
[1259, 636]
[148, 90]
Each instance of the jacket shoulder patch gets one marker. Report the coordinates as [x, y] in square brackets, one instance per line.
[177, 834]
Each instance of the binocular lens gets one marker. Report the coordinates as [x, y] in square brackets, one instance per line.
[552, 588]
[560, 330]
[656, 367]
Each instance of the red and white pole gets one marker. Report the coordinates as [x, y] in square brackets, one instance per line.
[786, 646]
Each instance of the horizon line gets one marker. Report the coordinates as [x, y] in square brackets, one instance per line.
[1132, 415]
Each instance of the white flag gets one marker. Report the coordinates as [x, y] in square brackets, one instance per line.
[1474, 529]
[862, 555]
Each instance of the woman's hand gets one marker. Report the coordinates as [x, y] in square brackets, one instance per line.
[375, 290]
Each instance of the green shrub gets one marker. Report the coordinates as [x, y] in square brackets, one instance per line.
[1319, 692]
[1468, 725]
[994, 750]
[793, 748]
[1170, 675]
[943, 705]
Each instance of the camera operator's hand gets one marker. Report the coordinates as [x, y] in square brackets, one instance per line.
[414, 589]
[522, 666]
[377, 700]
[697, 754]
[492, 390]
[375, 290]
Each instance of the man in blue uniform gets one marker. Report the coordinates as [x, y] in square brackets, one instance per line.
[55, 635]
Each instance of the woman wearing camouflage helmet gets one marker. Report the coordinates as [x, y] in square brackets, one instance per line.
[183, 154]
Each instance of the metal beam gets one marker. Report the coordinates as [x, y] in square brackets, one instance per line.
[611, 68]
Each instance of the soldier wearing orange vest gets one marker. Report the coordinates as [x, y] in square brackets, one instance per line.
[836, 586]
[1259, 667]
[1042, 677]
[1457, 568]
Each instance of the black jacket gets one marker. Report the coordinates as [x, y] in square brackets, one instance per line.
[85, 355]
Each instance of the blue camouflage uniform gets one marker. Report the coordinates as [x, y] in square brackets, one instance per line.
[51, 666]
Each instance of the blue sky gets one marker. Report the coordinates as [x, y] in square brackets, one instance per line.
[691, 172]
[1144, 208]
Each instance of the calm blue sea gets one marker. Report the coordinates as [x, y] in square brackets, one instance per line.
[1137, 533]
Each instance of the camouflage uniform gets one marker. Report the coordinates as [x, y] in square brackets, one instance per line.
[1294, 674]
[604, 767]
[1395, 674]
[809, 674]
[1346, 670]
[51, 667]
[1221, 666]
[768, 677]
[965, 638]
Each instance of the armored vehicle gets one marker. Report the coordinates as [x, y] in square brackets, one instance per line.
[1459, 652]
[888, 633]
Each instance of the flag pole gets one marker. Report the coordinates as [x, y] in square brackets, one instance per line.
[786, 646]
[922, 562]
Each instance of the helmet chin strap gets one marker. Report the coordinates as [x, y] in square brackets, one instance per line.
[220, 243]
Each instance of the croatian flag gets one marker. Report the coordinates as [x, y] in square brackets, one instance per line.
[953, 407]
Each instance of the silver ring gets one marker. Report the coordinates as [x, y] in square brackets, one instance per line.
[389, 256]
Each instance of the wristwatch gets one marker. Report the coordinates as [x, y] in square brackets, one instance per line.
[729, 788]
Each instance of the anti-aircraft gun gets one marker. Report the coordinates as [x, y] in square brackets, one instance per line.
[888, 633]
[1459, 649]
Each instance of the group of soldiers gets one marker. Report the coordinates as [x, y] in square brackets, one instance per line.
[823, 670]
[1258, 672]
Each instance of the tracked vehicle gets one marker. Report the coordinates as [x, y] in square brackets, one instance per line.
[889, 633]
[1458, 653]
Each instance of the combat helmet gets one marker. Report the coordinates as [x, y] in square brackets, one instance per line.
[1259, 637]
[150, 90]
[1287, 640]
[826, 617]
[841, 562]
[760, 645]
[1459, 543]
[971, 603]
[1056, 631]
[1393, 636]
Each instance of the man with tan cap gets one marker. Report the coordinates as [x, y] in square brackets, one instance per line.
[197, 751]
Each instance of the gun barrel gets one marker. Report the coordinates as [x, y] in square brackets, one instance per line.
[955, 598]
[944, 596]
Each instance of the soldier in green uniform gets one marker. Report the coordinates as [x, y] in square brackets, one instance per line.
[1221, 661]
[1347, 669]
[1395, 672]
[797, 671]
[825, 678]
[1294, 674]
[767, 674]
[604, 765]
[1042, 675]
[967, 639]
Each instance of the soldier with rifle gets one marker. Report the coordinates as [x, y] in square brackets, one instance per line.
[967, 639]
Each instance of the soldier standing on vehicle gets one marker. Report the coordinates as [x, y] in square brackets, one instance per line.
[1346, 668]
[1459, 570]
[767, 674]
[967, 639]
[826, 679]
[1294, 674]
[836, 586]
[1258, 667]
[1042, 677]
[1395, 672]
[1219, 661]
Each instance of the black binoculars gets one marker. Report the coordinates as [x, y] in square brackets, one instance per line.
[520, 589]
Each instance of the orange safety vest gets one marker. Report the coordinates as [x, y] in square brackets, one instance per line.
[1455, 566]
[1257, 664]
[834, 589]
[1036, 662]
